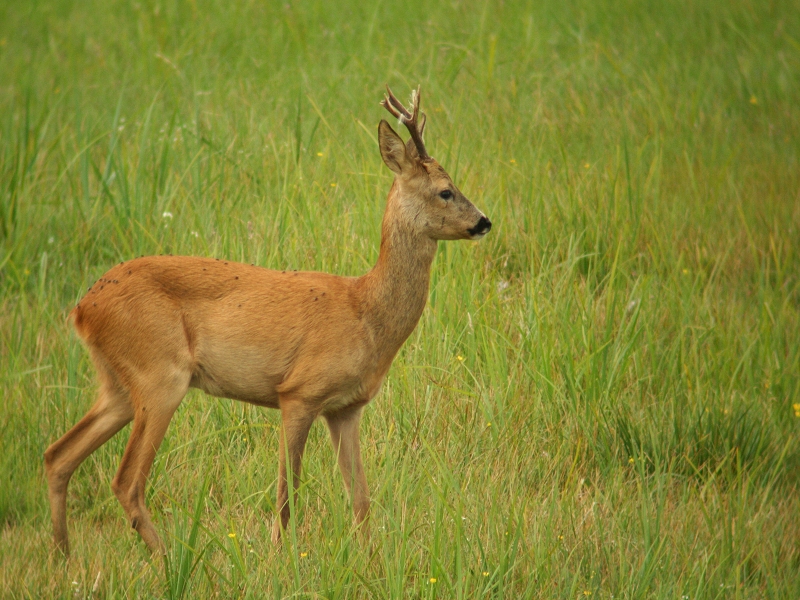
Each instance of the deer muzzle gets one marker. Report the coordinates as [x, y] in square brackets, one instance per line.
[483, 227]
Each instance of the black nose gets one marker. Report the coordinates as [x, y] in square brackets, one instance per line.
[482, 228]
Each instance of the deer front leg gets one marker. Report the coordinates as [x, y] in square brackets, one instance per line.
[296, 423]
[344, 437]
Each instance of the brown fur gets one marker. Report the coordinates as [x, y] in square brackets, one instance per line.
[309, 344]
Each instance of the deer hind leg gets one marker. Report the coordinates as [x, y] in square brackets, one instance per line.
[296, 421]
[111, 412]
[343, 427]
[154, 410]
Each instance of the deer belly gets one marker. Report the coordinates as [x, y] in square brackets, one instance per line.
[240, 374]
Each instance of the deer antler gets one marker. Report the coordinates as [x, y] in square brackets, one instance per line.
[409, 119]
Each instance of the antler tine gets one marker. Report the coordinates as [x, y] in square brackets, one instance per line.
[394, 106]
[387, 104]
[415, 97]
[409, 119]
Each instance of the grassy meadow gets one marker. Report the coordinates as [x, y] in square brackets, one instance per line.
[602, 398]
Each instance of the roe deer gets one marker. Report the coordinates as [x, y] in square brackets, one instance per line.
[307, 343]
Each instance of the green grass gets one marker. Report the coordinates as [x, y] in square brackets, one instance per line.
[599, 396]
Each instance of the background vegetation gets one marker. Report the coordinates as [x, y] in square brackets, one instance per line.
[602, 396]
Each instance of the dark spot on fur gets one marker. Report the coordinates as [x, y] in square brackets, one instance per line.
[237, 277]
[315, 299]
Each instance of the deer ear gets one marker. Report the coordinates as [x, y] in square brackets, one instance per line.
[393, 150]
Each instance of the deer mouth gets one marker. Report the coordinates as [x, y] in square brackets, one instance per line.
[483, 227]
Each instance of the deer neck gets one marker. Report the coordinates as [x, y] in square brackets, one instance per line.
[396, 289]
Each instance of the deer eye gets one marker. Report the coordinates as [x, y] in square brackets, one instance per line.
[445, 194]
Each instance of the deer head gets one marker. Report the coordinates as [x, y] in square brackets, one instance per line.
[423, 196]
